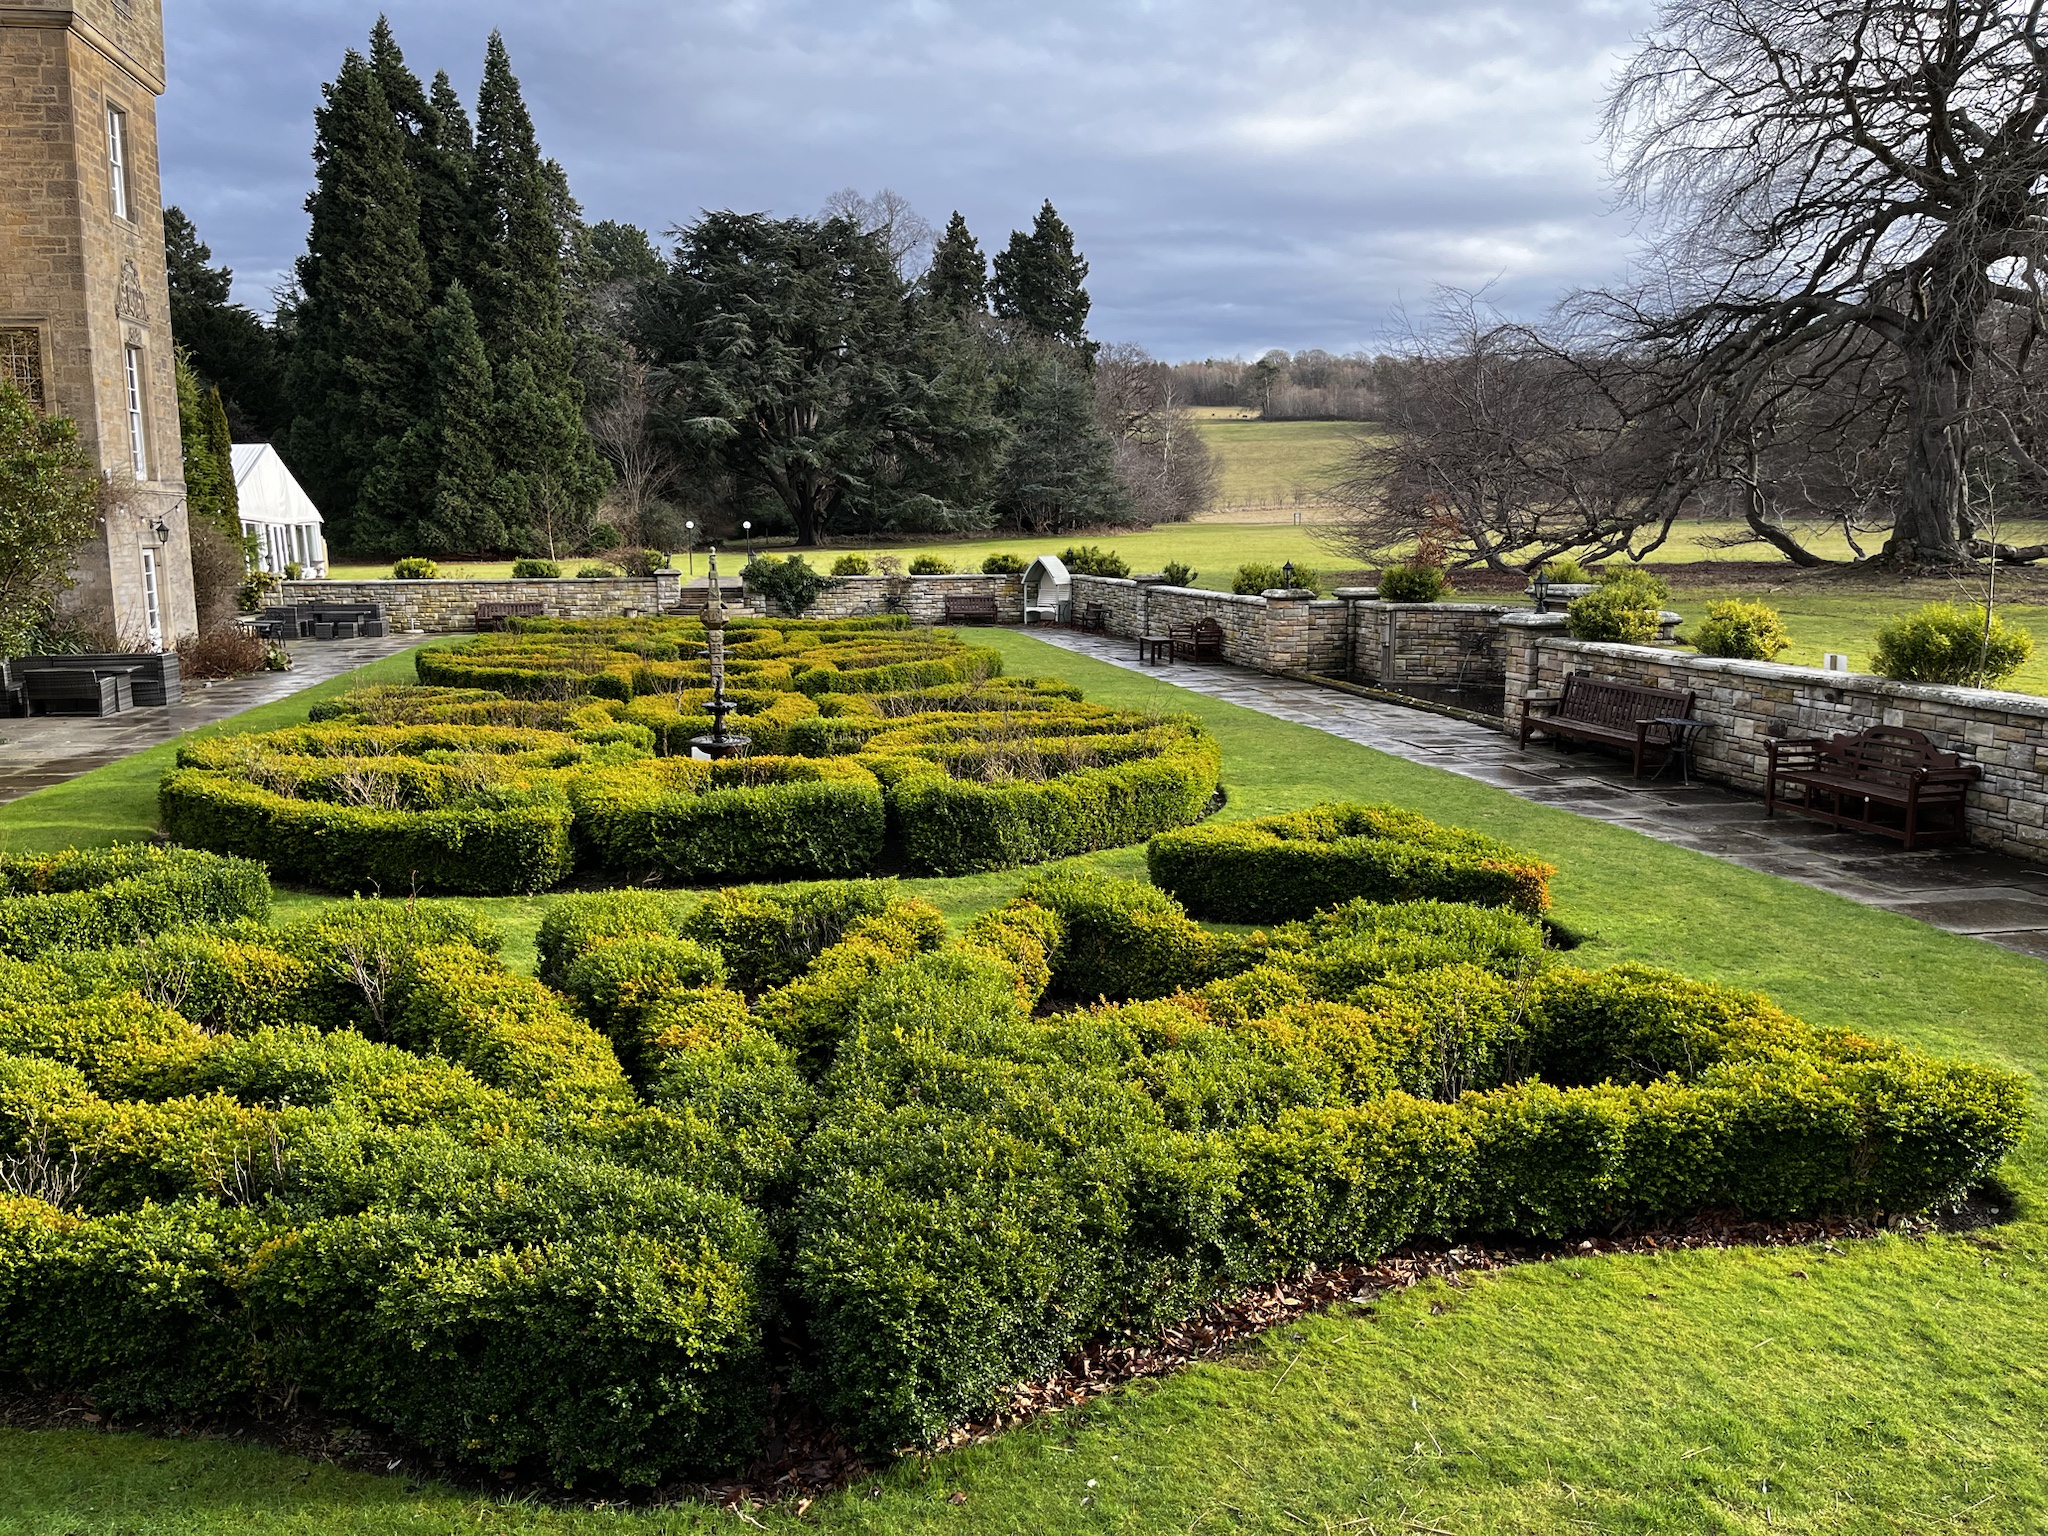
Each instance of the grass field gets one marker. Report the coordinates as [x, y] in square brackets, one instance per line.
[1867, 1387]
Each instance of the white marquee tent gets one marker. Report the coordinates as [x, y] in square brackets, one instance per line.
[277, 513]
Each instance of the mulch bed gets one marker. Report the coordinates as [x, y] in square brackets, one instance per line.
[802, 1458]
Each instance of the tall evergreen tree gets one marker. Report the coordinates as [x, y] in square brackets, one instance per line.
[545, 455]
[1060, 471]
[354, 381]
[957, 279]
[448, 450]
[203, 438]
[1039, 281]
[228, 345]
[438, 152]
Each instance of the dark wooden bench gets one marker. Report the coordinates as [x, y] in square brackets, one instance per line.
[1624, 715]
[75, 691]
[1096, 617]
[969, 609]
[1887, 779]
[491, 617]
[1199, 641]
[153, 675]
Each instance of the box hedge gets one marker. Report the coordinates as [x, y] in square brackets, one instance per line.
[549, 1223]
[94, 898]
[1278, 867]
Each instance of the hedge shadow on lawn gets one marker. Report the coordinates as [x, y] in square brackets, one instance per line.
[866, 733]
[548, 1222]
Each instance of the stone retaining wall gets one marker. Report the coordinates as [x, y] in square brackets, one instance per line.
[447, 607]
[923, 598]
[1749, 703]
[1405, 643]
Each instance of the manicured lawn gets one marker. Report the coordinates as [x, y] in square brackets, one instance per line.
[1882, 1386]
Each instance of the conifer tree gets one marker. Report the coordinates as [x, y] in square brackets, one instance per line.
[438, 151]
[1039, 281]
[449, 448]
[354, 381]
[549, 466]
[957, 279]
[226, 343]
[220, 444]
[203, 438]
[1060, 471]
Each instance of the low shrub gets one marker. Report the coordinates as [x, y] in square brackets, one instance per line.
[932, 565]
[230, 651]
[852, 565]
[596, 572]
[95, 898]
[1257, 576]
[1948, 643]
[1002, 563]
[1745, 631]
[1277, 867]
[1179, 574]
[1092, 560]
[790, 584]
[1566, 571]
[415, 568]
[1415, 582]
[535, 570]
[1625, 609]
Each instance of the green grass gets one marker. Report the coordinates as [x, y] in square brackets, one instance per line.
[1278, 463]
[1901, 1385]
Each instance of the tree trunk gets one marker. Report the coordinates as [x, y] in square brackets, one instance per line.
[1927, 529]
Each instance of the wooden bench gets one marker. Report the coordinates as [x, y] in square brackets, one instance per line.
[1623, 715]
[1199, 641]
[491, 617]
[970, 609]
[1095, 617]
[1847, 780]
[75, 691]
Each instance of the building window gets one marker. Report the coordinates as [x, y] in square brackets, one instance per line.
[138, 443]
[152, 614]
[117, 159]
[21, 362]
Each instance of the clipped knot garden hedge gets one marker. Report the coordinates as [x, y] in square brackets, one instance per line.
[565, 745]
[550, 1221]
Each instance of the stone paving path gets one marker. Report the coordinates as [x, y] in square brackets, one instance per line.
[1963, 890]
[48, 749]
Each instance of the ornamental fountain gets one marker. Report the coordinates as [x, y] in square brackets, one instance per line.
[718, 744]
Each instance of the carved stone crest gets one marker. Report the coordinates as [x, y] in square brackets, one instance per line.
[129, 303]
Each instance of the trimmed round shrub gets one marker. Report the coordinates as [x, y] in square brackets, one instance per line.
[1566, 571]
[596, 572]
[1744, 631]
[931, 565]
[851, 565]
[1277, 867]
[415, 568]
[534, 570]
[1255, 577]
[1625, 609]
[1948, 643]
[1093, 560]
[1415, 582]
[1179, 574]
[790, 584]
[1002, 563]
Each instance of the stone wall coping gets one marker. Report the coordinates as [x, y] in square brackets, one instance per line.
[2034, 705]
[1499, 608]
[1202, 592]
[317, 583]
[934, 576]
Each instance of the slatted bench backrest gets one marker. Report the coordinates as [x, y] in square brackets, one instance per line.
[1619, 704]
[1888, 754]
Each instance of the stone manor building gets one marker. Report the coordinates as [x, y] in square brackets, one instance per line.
[84, 304]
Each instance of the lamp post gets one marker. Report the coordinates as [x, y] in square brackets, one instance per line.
[749, 527]
[1287, 575]
[1540, 590]
[690, 547]
[718, 744]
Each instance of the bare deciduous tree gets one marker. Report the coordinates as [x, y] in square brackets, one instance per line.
[1812, 167]
[908, 233]
[1160, 457]
[644, 460]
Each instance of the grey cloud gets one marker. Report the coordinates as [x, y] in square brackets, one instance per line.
[1239, 176]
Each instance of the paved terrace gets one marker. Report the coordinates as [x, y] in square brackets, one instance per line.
[1963, 890]
[49, 749]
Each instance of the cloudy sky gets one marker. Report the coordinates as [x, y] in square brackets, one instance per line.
[1286, 173]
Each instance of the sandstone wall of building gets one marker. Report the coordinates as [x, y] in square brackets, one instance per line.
[1747, 704]
[449, 607]
[79, 283]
